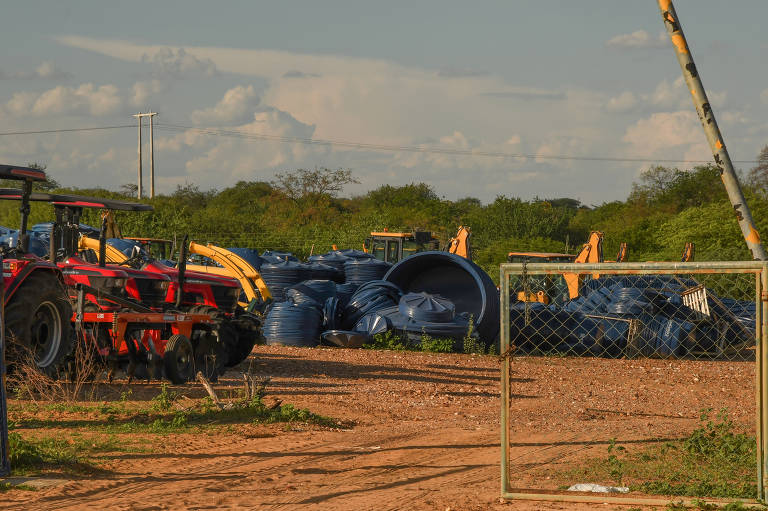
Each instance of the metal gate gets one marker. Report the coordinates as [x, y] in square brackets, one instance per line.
[620, 374]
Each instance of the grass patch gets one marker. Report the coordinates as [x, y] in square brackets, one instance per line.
[159, 416]
[8, 487]
[68, 455]
[395, 341]
[713, 461]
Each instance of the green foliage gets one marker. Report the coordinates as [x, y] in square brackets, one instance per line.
[388, 340]
[302, 211]
[471, 343]
[55, 452]
[164, 400]
[434, 345]
[715, 460]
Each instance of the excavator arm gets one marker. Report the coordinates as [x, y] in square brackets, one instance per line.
[232, 266]
[591, 252]
[114, 256]
[460, 244]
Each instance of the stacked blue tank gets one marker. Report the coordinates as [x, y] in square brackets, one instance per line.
[632, 316]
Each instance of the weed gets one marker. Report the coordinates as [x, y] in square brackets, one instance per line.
[8, 486]
[472, 345]
[388, 340]
[713, 461]
[27, 455]
[433, 345]
[700, 505]
[164, 400]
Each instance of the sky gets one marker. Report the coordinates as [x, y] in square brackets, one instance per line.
[442, 92]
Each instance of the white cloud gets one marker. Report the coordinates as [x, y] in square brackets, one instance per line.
[624, 102]
[50, 71]
[668, 95]
[637, 40]
[526, 94]
[664, 130]
[376, 101]
[87, 99]
[237, 106]
[143, 91]
[176, 63]
[46, 70]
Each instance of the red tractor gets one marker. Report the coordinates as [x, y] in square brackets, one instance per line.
[121, 313]
[154, 284]
[37, 306]
[236, 329]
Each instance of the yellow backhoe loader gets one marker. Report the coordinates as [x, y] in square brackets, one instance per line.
[396, 246]
[232, 266]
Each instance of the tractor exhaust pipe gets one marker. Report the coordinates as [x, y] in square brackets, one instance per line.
[182, 267]
[714, 137]
[103, 242]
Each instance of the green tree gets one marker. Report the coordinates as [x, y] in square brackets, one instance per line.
[758, 175]
[312, 186]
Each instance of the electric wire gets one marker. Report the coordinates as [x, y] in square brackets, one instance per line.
[232, 133]
[67, 130]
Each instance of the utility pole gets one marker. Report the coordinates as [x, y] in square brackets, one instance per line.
[151, 158]
[139, 116]
[708, 122]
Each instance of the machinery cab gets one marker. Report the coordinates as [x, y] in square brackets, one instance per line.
[395, 246]
[542, 288]
[156, 248]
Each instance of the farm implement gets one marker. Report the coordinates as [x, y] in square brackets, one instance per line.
[121, 314]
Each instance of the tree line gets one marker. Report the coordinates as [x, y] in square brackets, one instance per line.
[304, 211]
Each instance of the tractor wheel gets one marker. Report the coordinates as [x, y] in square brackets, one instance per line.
[248, 334]
[179, 359]
[224, 332]
[37, 320]
[209, 355]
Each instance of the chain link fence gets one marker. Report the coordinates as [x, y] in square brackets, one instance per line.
[636, 379]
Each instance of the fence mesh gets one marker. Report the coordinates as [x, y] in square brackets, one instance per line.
[642, 378]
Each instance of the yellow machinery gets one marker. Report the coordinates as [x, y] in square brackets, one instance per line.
[591, 252]
[395, 246]
[460, 244]
[232, 266]
[157, 248]
[113, 255]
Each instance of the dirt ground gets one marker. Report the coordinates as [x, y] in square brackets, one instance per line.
[425, 433]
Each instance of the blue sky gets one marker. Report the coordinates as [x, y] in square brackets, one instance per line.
[546, 78]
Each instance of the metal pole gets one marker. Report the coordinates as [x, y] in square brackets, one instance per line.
[138, 191]
[762, 365]
[151, 159]
[5, 466]
[714, 137]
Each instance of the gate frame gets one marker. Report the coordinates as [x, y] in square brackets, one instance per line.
[760, 271]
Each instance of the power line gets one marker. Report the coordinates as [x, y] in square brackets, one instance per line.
[220, 132]
[65, 130]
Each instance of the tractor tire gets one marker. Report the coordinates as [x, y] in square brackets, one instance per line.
[209, 355]
[223, 330]
[179, 360]
[37, 323]
[249, 334]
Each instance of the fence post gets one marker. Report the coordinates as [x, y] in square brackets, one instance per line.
[5, 468]
[504, 349]
[761, 354]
